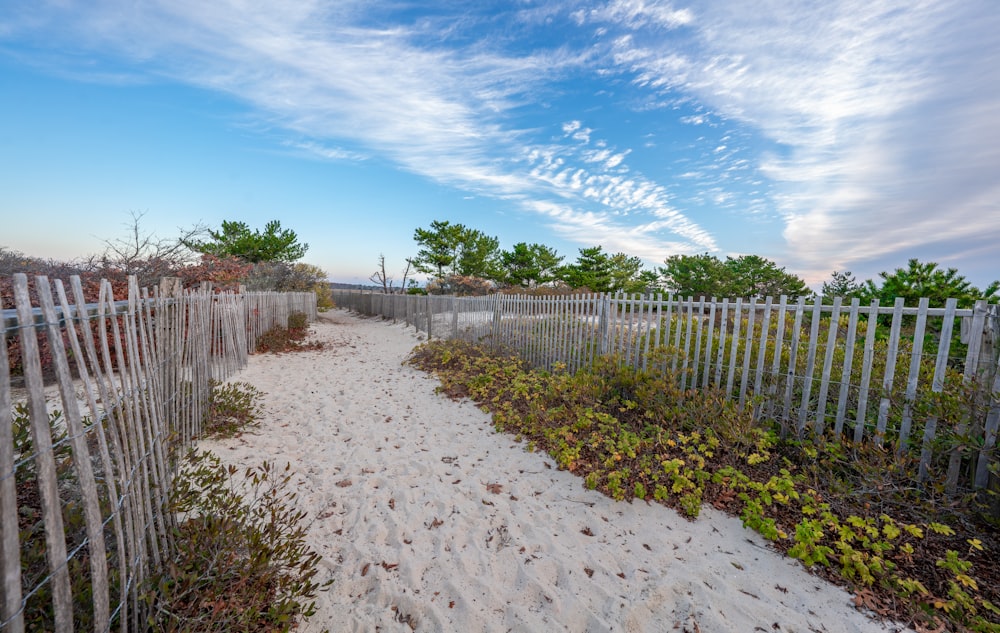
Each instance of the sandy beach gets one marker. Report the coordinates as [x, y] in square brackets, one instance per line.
[428, 520]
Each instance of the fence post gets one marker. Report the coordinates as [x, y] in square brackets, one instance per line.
[971, 373]
[430, 315]
[991, 358]
[603, 322]
[171, 287]
[10, 554]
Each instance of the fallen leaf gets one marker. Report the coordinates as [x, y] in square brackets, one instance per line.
[364, 570]
[343, 483]
[589, 572]
[494, 488]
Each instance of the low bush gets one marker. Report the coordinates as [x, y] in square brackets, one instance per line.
[288, 339]
[240, 562]
[232, 407]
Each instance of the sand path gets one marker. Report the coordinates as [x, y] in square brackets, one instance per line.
[429, 520]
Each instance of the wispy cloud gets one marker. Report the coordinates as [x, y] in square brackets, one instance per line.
[325, 152]
[354, 84]
[881, 111]
[636, 211]
[867, 129]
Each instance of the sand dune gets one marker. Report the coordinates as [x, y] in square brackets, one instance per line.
[428, 520]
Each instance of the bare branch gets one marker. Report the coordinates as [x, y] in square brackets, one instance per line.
[380, 277]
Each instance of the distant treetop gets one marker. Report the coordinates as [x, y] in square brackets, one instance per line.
[235, 239]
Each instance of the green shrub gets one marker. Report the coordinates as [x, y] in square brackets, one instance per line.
[288, 339]
[232, 407]
[241, 562]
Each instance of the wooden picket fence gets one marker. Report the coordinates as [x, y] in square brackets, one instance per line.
[108, 398]
[896, 375]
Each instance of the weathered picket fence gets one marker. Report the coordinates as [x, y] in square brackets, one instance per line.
[921, 379]
[107, 398]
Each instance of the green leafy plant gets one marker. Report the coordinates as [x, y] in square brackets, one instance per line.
[232, 407]
[241, 561]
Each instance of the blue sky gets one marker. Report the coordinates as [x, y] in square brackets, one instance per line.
[824, 135]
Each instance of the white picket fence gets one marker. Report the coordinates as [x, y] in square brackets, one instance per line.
[108, 398]
[889, 374]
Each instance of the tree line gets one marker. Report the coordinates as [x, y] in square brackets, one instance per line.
[465, 260]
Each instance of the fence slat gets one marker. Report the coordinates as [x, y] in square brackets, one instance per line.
[747, 351]
[937, 386]
[968, 375]
[708, 344]
[831, 346]
[845, 372]
[735, 346]
[97, 553]
[765, 329]
[989, 433]
[699, 326]
[913, 377]
[779, 337]
[688, 326]
[890, 370]
[793, 356]
[807, 379]
[45, 465]
[724, 324]
[10, 550]
[866, 371]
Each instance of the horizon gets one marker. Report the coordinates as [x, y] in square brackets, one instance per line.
[847, 136]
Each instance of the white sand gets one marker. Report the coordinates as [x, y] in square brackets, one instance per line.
[429, 520]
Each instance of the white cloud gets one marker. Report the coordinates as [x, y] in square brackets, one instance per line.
[640, 13]
[885, 113]
[592, 229]
[329, 153]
